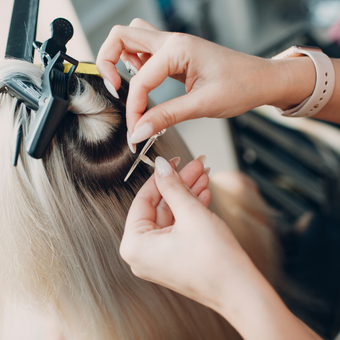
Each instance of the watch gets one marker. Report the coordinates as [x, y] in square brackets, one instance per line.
[324, 84]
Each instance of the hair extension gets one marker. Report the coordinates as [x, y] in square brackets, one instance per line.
[62, 219]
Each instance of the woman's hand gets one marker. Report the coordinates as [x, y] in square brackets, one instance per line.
[172, 239]
[219, 82]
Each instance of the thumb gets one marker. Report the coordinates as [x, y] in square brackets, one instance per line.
[173, 190]
[144, 125]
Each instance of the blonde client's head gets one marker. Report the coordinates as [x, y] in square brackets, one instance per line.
[62, 219]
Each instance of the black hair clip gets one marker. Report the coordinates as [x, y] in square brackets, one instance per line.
[53, 105]
[52, 101]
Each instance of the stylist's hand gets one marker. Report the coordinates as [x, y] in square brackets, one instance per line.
[192, 251]
[219, 82]
[172, 239]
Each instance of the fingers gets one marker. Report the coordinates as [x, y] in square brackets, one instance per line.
[171, 59]
[204, 197]
[192, 171]
[130, 39]
[146, 215]
[161, 54]
[134, 40]
[173, 190]
[140, 23]
[194, 179]
[201, 184]
[143, 207]
[153, 73]
[133, 58]
[138, 59]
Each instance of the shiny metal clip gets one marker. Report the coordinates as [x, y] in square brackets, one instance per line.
[142, 156]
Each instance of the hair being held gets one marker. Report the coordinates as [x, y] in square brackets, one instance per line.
[62, 220]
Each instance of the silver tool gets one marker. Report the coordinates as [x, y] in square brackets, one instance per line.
[142, 157]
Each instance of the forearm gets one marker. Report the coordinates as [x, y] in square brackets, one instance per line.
[257, 312]
[293, 80]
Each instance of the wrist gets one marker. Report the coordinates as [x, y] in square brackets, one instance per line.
[256, 311]
[235, 297]
[292, 81]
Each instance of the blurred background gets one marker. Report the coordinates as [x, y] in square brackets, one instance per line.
[295, 162]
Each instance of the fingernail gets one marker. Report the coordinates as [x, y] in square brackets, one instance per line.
[131, 146]
[111, 88]
[143, 132]
[163, 167]
[202, 159]
[207, 171]
[176, 160]
[131, 68]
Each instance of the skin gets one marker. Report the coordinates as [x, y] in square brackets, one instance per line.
[208, 265]
[234, 82]
[197, 255]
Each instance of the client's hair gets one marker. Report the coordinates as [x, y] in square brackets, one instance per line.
[62, 219]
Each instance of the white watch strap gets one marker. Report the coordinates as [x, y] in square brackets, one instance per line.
[324, 84]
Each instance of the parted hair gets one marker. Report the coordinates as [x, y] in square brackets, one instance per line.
[62, 219]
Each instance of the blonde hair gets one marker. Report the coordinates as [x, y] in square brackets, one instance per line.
[62, 219]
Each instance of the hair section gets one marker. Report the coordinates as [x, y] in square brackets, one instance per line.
[62, 219]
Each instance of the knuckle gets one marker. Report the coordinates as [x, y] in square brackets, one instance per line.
[133, 81]
[168, 117]
[170, 186]
[127, 253]
[115, 29]
[181, 39]
[137, 22]
[138, 273]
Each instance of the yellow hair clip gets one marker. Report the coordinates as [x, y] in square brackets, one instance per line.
[84, 68]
